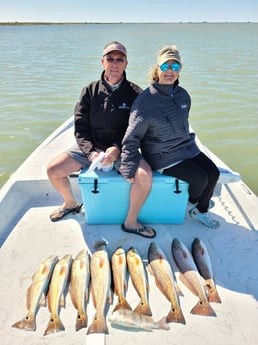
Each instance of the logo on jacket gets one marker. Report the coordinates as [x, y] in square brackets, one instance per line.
[183, 106]
[123, 106]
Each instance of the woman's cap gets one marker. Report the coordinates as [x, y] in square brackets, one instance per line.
[114, 46]
[170, 54]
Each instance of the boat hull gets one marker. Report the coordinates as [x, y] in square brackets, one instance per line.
[28, 236]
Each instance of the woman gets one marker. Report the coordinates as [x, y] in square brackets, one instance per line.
[159, 126]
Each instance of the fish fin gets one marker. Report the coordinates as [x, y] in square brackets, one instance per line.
[176, 315]
[28, 305]
[150, 270]
[62, 301]
[212, 293]
[115, 291]
[213, 296]
[81, 320]
[147, 285]
[143, 309]
[163, 324]
[43, 301]
[73, 298]
[178, 290]
[54, 325]
[28, 323]
[123, 304]
[110, 298]
[93, 296]
[87, 295]
[203, 308]
[158, 284]
[98, 325]
[93, 300]
[188, 284]
[48, 301]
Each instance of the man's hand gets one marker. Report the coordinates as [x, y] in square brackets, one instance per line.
[111, 155]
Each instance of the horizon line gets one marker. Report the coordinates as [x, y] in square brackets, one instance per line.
[111, 22]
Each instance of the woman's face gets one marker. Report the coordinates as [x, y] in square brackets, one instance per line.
[168, 72]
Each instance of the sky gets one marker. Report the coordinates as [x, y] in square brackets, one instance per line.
[128, 11]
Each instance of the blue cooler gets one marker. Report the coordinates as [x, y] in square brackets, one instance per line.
[105, 196]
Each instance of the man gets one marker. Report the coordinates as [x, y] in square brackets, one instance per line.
[101, 118]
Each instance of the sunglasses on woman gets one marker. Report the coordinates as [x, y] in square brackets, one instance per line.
[175, 66]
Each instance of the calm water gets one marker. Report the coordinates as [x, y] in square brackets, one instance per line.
[44, 67]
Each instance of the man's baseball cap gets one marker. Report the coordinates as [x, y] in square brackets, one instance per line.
[114, 46]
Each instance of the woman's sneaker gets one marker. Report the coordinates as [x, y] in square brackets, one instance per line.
[205, 218]
[211, 204]
[191, 205]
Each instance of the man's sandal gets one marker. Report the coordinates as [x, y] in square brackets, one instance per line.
[62, 212]
[140, 231]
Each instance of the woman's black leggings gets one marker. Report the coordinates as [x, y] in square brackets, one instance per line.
[201, 174]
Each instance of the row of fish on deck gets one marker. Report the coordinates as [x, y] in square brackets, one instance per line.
[54, 276]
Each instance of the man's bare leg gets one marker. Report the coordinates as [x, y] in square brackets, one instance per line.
[140, 190]
[58, 171]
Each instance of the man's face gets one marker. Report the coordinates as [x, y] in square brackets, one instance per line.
[114, 65]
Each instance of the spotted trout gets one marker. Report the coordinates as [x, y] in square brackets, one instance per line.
[58, 285]
[118, 264]
[100, 287]
[79, 287]
[191, 277]
[161, 269]
[36, 293]
[203, 263]
[138, 276]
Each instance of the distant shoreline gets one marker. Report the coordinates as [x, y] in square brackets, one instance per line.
[88, 23]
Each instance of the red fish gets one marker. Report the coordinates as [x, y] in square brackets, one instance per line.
[191, 277]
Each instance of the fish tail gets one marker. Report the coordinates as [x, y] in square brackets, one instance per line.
[98, 325]
[143, 309]
[122, 305]
[203, 308]
[81, 321]
[176, 315]
[163, 324]
[28, 323]
[212, 292]
[54, 325]
[213, 296]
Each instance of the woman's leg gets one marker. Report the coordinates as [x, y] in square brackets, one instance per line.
[202, 175]
[207, 165]
[190, 172]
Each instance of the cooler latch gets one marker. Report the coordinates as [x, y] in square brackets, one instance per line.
[95, 190]
[177, 190]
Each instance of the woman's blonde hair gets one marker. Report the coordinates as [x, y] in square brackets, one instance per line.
[166, 53]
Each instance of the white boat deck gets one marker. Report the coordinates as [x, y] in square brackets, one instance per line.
[28, 236]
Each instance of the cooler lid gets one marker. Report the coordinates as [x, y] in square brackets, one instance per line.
[102, 176]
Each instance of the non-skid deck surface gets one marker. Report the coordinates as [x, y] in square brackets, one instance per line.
[233, 249]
